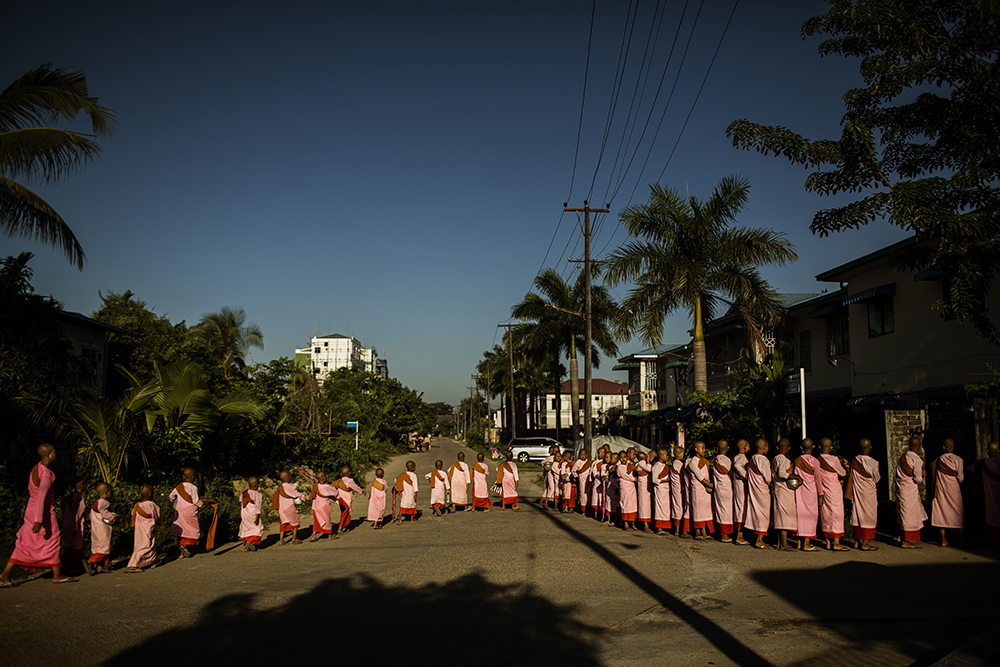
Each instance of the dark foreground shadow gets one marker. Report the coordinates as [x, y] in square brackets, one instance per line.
[921, 611]
[465, 621]
[725, 642]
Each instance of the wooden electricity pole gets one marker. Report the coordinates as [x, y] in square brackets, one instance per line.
[588, 389]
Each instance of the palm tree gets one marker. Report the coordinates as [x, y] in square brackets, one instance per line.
[685, 253]
[228, 333]
[556, 326]
[30, 150]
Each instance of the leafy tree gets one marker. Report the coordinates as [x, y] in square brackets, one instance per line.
[149, 338]
[31, 150]
[556, 327]
[230, 336]
[686, 254]
[921, 138]
[36, 359]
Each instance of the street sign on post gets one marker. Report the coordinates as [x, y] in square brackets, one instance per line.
[354, 425]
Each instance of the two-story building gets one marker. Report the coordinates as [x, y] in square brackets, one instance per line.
[326, 354]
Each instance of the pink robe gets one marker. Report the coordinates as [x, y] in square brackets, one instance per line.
[947, 510]
[408, 496]
[739, 478]
[701, 497]
[550, 477]
[627, 498]
[251, 512]
[322, 521]
[439, 487]
[784, 498]
[143, 542]
[910, 511]
[831, 514]
[288, 513]
[100, 532]
[39, 550]
[568, 481]
[722, 494]
[73, 510]
[376, 501]
[645, 511]
[989, 471]
[758, 515]
[583, 469]
[596, 485]
[864, 504]
[677, 500]
[807, 498]
[459, 480]
[185, 524]
[660, 478]
[480, 485]
[612, 493]
[508, 485]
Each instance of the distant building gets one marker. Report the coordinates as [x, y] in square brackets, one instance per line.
[610, 399]
[326, 354]
[89, 339]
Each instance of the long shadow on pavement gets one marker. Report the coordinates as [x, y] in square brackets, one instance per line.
[720, 638]
[921, 611]
[468, 620]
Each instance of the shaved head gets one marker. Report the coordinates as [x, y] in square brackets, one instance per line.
[762, 445]
[866, 446]
[948, 445]
[807, 445]
[915, 444]
[45, 449]
[993, 450]
[188, 474]
[743, 446]
[284, 476]
[826, 445]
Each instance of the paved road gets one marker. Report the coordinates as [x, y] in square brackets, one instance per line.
[513, 588]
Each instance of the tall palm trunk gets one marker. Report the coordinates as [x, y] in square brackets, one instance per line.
[574, 392]
[700, 359]
[558, 380]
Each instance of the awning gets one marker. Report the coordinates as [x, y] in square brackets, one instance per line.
[676, 364]
[869, 294]
[625, 366]
[637, 413]
[724, 329]
[828, 310]
[928, 274]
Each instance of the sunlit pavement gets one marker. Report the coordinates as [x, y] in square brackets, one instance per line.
[525, 587]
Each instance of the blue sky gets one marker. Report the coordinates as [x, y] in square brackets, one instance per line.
[396, 170]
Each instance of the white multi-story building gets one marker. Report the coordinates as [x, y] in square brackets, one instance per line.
[326, 354]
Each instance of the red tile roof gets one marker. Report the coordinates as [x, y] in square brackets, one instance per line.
[597, 385]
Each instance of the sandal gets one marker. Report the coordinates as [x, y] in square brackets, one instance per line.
[64, 580]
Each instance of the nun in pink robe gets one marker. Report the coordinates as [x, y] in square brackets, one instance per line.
[739, 478]
[101, 517]
[644, 502]
[508, 484]
[627, 498]
[784, 498]
[459, 480]
[701, 498]
[251, 528]
[722, 496]
[185, 524]
[947, 509]
[831, 514]
[758, 516]
[807, 497]
[321, 495]
[863, 487]
[481, 486]
[660, 478]
[288, 513]
[439, 488]
[144, 516]
[376, 501]
[909, 508]
[406, 485]
[583, 469]
[677, 500]
[596, 485]
[987, 471]
[38, 551]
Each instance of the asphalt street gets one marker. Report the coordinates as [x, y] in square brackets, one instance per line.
[516, 588]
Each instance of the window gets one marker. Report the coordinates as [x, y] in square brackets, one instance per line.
[326, 345]
[326, 364]
[838, 340]
[555, 404]
[580, 404]
[805, 350]
[316, 350]
[881, 320]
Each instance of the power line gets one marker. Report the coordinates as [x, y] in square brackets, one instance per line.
[583, 102]
[703, 81]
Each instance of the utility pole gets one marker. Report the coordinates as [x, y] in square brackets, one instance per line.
[476, 377]
[510, 396]
[588, 389]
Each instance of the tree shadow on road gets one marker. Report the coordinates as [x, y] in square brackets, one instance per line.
[920, 611]
[468, 620]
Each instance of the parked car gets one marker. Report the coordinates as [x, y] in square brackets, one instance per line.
[528, 449]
